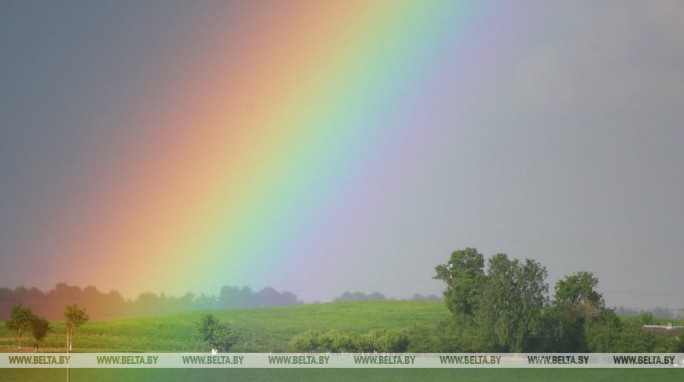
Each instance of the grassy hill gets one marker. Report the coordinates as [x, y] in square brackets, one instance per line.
[269, 330]
[260, 330]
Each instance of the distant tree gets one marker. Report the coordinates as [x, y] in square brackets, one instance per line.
[220, 336]
[229, 297]
[360, 296]
[267, 297]
[75, 317]
[40, 327]
[646, 318]
[429, 297]
[20, 320]
[662, 312]
[464, 277]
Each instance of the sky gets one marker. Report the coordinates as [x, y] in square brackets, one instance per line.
[320, 147]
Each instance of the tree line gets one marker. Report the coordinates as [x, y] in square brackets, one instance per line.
[503, 307]
[111, 305]
[377, 296]
[507, 308]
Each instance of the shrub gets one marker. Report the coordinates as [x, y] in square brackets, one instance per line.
[220, 336]
[384, 341]
[421, 339]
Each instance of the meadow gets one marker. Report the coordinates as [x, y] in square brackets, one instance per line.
[269, 330]
[260, 330]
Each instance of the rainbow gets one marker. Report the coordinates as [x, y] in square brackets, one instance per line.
[275, 127]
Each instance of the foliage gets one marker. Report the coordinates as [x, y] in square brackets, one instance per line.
[464, 277]
[23, 319]
[319, 342]
[609, 334]
[421, 339]
[384, 341]
[271, 329]
[112, 305]
[463, 334]
[507, 309]
[20, 320]
[381, 341]
[75, 317]
[576, 298]
[507, 302]
[220, 336]
[360, 296]
[513, 298]
[261, 330]
[575, 303]
[40, 327]
[559, 334]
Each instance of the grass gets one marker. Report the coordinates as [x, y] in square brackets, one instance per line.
[269, 330]
[260, 330]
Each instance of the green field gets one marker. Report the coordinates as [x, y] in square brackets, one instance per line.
[269, 330]
[260, 330]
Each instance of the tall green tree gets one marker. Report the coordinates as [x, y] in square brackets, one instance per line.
[464, 277]
[21, 319]
[75, 317]
[576, 304]
[512, 300]
[576, 297]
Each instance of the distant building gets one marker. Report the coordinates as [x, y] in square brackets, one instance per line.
[664, 330]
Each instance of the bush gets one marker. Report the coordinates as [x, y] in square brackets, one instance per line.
[383, 341]
[609, 334]
[306, 342]
[343, 342]
[421, 339]
[220, 336]
[463, 334]
[330, 342]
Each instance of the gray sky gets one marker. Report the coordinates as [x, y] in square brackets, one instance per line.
[572, 153]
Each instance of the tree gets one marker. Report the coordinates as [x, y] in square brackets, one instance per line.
[21, 319]
[576, 297]
[40, 327]
[513, 297]
[75, 317]
[464, 278]
[575, 303]
[220, 336]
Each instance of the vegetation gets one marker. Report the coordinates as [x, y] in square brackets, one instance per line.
[261, 329]
[75, 317]
[40, 327]
[428, 325]
[379, 341]
[103, 306]
[22, 319]
[507, 309]
[503, 308]
[220, 336]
